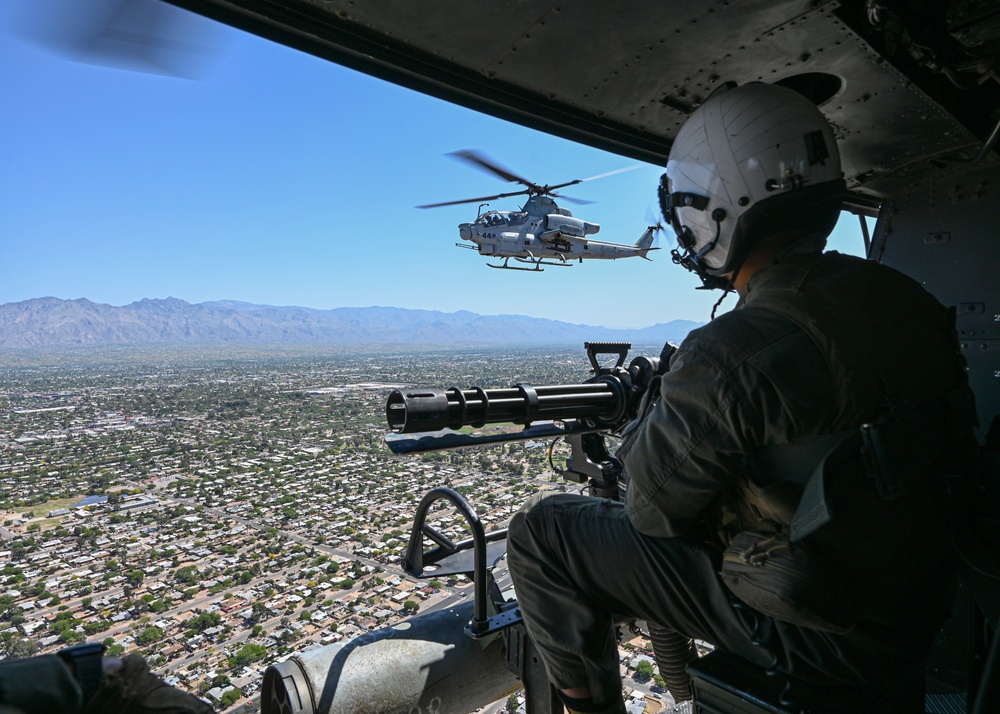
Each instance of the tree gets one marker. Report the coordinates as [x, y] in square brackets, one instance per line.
[259, 612]
[94, 626]
[203, 620]
[187, 575]
[14, 646]
[512, 704]
[150, 635]
[71, 637]
[411, 606]
[644, 671]
[230, 697]
[248, 654]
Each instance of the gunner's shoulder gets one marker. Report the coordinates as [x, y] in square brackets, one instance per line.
[737, 336]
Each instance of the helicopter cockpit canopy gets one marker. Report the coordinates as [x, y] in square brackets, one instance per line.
[504, 218]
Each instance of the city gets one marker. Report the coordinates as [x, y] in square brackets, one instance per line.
[218, 509]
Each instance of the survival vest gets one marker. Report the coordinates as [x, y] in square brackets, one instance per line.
[872, 485]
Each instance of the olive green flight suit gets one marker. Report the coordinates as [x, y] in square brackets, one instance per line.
[820, 344]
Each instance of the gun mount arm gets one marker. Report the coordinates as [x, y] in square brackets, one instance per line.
[451, 556]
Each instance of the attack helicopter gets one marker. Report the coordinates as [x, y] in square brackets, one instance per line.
[541, 233]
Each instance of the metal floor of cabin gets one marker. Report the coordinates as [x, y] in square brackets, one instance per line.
[946, 704]
[726, 685]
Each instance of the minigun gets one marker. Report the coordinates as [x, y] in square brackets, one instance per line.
[579, 413]
[462, 658]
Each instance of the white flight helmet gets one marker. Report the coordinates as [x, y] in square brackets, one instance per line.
[750, 161]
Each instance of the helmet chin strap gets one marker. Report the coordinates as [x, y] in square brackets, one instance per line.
[729, 287]
[725, 291]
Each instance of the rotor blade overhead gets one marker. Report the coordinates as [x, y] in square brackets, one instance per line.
[633, 167]
[480, 161]
[549, 189]
[577, 201]
[146, 36]
[474, 200]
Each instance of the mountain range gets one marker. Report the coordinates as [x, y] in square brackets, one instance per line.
[52, 322]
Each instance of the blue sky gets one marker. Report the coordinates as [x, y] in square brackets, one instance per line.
[282, 179]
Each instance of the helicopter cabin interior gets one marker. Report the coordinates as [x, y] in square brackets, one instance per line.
[911, 87]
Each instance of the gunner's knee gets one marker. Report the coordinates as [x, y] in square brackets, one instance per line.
[525, 521]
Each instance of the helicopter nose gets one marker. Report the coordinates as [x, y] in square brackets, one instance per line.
[465, 231]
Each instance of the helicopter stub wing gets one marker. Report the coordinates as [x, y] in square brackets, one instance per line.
[554, 238]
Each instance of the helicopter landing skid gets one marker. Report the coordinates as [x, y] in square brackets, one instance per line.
[536, 262]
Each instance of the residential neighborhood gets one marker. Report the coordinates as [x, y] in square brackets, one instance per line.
[217, 515]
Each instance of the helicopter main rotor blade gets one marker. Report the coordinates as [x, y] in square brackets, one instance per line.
[146, 36]
[474, 200]
[549, 189]
[480, 161]
[633, 167]
[577, 201]
[574, 182]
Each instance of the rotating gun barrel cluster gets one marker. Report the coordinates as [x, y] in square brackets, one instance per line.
[433, 409]
[603, 403]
